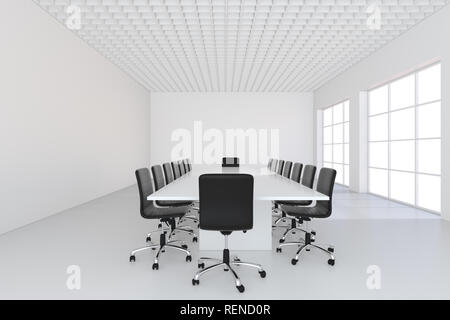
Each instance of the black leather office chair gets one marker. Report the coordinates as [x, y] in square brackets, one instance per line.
[176, 170]
[308, 181]
[269, 163]
[182, 169]
[164, 215]
[287, 169]
[297, 172]
[159, 183]
[189, 166]
[230, 162]
[168, 173]
[226, 205]
[158, 179]
[274, 165]
[280, 167]
[322, 209]
[185, 165]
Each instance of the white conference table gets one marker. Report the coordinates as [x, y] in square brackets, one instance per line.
[268, 186]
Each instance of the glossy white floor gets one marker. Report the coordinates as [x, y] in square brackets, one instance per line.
[411, 247]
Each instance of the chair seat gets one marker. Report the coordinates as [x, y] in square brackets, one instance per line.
[152, 212]
[294, 202]
[172, 203]
[306, 212]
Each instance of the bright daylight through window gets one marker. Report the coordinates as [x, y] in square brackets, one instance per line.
[336, 140]
[405, 139]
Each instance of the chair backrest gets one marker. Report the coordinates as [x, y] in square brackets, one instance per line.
[186, 168]
[226, 202]
[308, 176]
[189, 166]
[181, 166]
[230, 162]
[274, 165]
[287, 169]
[158, 177]
[325, 185]
[176, 170]
[296, 172]
[280, 167]
[168, 173]
[145, 187]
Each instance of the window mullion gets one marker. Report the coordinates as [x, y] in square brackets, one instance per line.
[389, 141]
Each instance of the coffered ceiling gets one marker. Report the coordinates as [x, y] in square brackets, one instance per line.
[237, 45]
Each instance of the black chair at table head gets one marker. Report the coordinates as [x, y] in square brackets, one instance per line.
[230, 162]
[226, 205]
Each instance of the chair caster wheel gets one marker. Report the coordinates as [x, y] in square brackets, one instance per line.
[278, 249]
[201, 265]
[148, 239]
[195, 282]
[262, 274]
[294, 262]
[188, 258]
[159, 225]
[330, 249]
[313, 233]
[331, 262]
[132, 258]
[194, 239]
[237, 260]
[241, 288]
[184, 246]
[245, 231]
[281, 240]
[155, 266]
[307, 249]
[293, 232]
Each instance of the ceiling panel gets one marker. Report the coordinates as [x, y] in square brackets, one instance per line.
[238, 45]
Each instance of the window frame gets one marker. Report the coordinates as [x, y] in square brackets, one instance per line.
[416, 138]
[332, 144]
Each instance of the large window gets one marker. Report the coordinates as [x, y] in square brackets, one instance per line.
[405, 139]
[336, 140]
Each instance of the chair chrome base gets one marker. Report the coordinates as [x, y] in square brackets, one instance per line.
[226, 264]
[163, 245]
[175, 229]
[308, 245]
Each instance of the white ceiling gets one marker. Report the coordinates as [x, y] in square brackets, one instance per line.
[238, 45]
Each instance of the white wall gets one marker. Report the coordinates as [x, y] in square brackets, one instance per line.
[72, 127]
[292, 114]
[423, 44]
